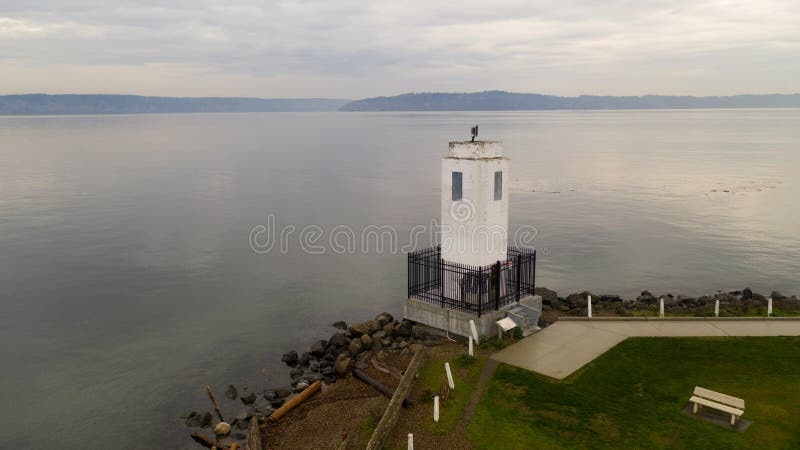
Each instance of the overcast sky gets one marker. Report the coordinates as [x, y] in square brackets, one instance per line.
[355, 49]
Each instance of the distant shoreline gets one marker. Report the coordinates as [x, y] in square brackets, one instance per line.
[490, 101]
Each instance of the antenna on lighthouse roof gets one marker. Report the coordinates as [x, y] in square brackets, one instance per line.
[474, 133]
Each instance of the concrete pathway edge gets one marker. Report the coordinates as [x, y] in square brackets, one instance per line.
[569, 344]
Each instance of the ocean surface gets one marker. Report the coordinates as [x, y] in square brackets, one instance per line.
[128, 280]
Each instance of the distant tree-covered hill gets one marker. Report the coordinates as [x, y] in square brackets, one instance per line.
[501, 101]
[40, 104]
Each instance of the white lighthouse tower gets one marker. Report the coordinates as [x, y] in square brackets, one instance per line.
[473, 278]
[474, 229]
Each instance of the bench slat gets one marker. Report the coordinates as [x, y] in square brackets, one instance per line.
[719, 397]
[715, 405]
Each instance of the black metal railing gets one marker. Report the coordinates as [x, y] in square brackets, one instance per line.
[471, 288]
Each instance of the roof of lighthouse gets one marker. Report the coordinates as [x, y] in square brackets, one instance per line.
[475, 149]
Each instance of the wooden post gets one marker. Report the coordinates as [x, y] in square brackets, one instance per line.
[589, 305]
[392, 412]
[449, 376]
[474, 331]
[716, 308]
[661, 307]
[436, 408]
[471, 353]
[410, 441]
[769, 307]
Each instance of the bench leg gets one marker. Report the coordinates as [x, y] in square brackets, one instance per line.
[694, 409]
[733, 419]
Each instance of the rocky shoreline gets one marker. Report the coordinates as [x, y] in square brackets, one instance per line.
[732, 304]
[356, 346]
[374, 341]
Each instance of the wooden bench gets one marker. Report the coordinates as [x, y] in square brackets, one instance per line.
[721, 402]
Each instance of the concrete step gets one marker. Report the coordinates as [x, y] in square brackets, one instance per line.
[526, 318]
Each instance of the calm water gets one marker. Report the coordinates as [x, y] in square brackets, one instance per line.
[128, 281]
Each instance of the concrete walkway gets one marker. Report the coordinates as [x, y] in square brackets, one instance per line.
[569, 344]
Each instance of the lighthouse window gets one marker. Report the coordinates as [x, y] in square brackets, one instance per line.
[457, 185]
[498, 185]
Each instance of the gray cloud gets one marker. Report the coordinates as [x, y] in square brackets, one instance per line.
[359, 48]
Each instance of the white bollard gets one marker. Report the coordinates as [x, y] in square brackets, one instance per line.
[474, 331]
[589, 305]
[769, 307]
[436, 408]
[449, 376]
[410, 441]
[471, 353]
[716, 308]
[661, 307]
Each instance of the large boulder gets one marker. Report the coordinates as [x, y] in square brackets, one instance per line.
[403, 329]
[380, 334]
[355, 346]
[368, 327]
[646, 298]
[222, 429]
[249, 398]
[231, 393]
[548, 296]
[576, 300]
[342, 364]
[418, 332]
[339, 340]
[383, 319]
[366, 341]
[242, 419]
[318, 348]
[193, 419]
[304, 359]
[290, 358]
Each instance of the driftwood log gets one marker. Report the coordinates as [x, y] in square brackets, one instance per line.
[207, 442]
[392, 412]
[378, 386]
[291, 404]
[214, 403]
[253, 439]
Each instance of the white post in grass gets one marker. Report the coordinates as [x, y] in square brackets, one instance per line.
[769, 307]
[449, 376]
[436, 408]
[661, 307]
[589, 306]
[716, 308]
[474, 331]
[410, 441]
[471, 353]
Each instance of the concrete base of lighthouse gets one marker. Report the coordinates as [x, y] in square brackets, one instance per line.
[457, 322]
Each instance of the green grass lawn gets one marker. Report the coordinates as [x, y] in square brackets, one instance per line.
[466, 373]
[632, 397]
